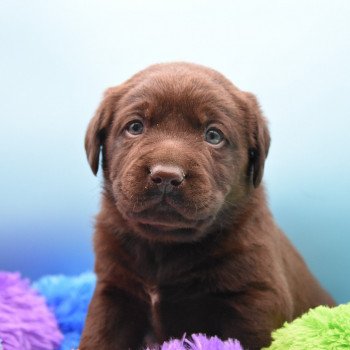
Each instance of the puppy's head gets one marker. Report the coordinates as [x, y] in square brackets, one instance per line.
[180, 144]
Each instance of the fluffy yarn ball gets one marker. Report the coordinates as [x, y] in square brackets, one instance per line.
[201, 342]
[69, 298]
[322, 328]
[26, 323]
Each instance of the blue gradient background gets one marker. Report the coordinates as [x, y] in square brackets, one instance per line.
[57, 57]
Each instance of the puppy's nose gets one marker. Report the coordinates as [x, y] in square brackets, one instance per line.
[166, 176]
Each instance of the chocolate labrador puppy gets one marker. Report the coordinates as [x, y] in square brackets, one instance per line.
[184, 241]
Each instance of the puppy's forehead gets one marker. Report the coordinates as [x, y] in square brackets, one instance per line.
[185, 92]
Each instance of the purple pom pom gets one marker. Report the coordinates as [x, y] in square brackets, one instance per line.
[201, 342]
[25, 321]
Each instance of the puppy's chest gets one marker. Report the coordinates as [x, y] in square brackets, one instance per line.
[158, 267]
[173, 273]
[155, 273]
[164, 281]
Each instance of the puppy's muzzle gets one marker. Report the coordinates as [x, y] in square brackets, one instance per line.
[166, 177]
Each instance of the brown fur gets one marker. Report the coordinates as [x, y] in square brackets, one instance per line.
[206, 257]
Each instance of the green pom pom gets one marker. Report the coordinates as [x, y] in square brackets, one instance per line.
[322, 328]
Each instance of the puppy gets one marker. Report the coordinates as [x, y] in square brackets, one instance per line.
[184, 241]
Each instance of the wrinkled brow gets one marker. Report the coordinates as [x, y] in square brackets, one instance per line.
[133, 105]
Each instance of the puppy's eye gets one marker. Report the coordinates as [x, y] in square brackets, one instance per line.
[135, 127]
[214, 136]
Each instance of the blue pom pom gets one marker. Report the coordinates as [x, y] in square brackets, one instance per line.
[69, 298]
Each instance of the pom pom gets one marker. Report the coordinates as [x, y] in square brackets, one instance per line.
[322, 328]
[201, 342]
[69, 297]
[26, 323]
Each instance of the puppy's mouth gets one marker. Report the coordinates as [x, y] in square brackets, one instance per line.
[162, 220]
[162, 216]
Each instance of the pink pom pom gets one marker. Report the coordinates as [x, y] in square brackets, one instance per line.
[26, 323]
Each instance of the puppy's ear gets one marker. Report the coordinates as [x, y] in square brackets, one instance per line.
[97, 128]
[259, 140]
